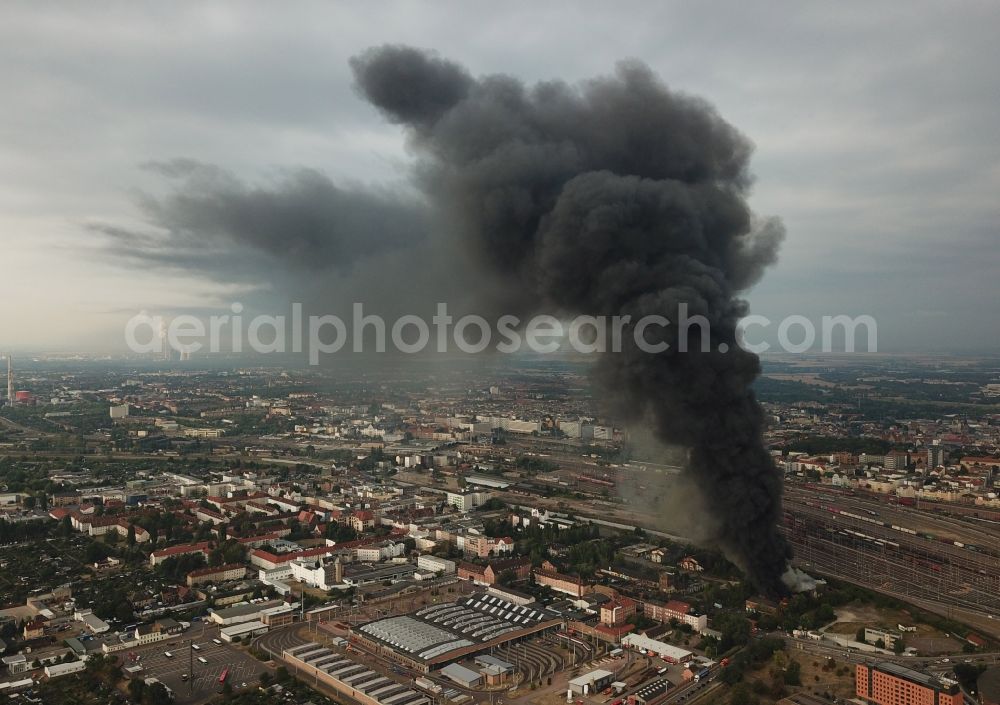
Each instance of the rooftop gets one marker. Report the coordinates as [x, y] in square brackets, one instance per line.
[460, 673]
[909, 674]
[588, 678]
[438, 629]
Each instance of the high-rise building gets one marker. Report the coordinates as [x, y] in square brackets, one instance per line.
[896, 460]
[10, 380]
[892, 684]
[935, 456]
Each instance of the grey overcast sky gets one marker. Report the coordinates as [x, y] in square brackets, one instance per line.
[876, 125]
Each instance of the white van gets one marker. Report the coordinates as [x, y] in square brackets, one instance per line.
[168, 654]
[203, 659]
[216, 641]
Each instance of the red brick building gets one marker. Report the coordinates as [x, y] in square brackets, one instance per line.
[490, 573]
[569, 584]
[892, 684]
[617, 612]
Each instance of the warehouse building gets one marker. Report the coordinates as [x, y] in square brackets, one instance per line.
[55, 670]
[668, 652]
[650, 691]
[443, 633]
[242, 631]
[465, 677]
[352, 679]
[436, 564]
[593, 682]
[247, 612]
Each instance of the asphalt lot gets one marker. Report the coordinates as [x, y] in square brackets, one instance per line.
[203, 677]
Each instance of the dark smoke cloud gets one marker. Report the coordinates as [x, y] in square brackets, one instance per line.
[304, 219]
[415, 88]
[294, 237]
[615, 197]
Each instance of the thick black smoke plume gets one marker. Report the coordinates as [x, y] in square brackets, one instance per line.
[619, 197]
[616, 197]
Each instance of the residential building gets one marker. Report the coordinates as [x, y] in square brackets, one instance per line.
[216, 574]
[35, 629]
[520, 569]
[466, 501]
[675, 609]
[569, 584]
[617, 611]
[157, 557]
[485, 546]
[362, 520]
[380, 551]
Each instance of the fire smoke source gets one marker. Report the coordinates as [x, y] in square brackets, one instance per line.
[615, 197]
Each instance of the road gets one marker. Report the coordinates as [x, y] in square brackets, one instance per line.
[828, 650]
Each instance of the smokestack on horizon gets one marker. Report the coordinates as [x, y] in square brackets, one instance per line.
[10, 379]
[617, 197]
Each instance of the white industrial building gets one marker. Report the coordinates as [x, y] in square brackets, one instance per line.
[465, 677]
[18, 663]
[242, 631]
[247, 612]
[512, 425]
[94, 623]
[436, 564]
[466, 501]
[593, 682]
[61, 669]
[668, 652]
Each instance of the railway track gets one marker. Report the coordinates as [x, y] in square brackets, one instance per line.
[889, 561]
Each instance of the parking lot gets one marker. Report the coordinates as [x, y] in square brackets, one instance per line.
[202, 677]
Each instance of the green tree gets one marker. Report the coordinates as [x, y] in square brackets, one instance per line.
[793, 674]
[743, 695]
[123, 612]
[136, 689]
[968, 673]
[157, 694]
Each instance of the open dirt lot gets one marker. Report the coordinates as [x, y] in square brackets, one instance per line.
[926, 639]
